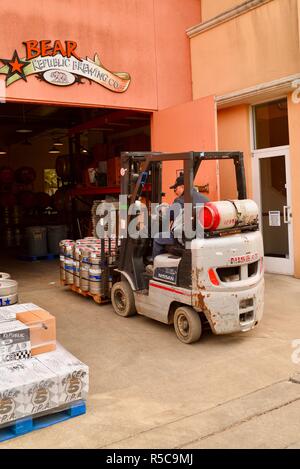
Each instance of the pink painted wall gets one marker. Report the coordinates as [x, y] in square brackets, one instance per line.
[145, 38]
[174, 75]
[187, 127]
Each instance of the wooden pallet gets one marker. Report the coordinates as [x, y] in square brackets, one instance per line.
[36, 422]
[97, 298]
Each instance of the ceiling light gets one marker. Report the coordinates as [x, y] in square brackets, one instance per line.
[54, 151]
[83, 150]
[3, 152]
[24, 131]
[57, 143]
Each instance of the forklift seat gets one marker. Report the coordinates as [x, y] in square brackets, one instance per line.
[175, 250]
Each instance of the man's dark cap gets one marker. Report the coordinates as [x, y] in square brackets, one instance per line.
[179, 182]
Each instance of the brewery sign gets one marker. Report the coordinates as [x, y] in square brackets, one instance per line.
[59, 64]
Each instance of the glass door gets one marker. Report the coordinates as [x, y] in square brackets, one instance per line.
[273, 195]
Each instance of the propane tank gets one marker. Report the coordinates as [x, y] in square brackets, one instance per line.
[228, 214]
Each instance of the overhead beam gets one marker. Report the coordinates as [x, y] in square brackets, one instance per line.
[107, 119]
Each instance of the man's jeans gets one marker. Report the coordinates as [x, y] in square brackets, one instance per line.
[159, 243]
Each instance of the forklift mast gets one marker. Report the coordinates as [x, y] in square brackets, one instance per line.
[150, 163]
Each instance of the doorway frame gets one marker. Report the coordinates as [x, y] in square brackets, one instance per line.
[274, 264]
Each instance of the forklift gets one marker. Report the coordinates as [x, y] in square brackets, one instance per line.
[216, 279]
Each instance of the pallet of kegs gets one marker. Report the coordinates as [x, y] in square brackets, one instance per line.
[8, 290]
[87, 266]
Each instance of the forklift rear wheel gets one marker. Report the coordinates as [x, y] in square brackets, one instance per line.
[187, 324]
[123, 300]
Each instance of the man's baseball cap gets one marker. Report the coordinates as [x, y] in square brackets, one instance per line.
[179, 182]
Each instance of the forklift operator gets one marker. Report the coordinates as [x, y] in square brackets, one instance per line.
[168, 239]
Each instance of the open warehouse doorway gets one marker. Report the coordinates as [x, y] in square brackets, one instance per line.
[54, 162]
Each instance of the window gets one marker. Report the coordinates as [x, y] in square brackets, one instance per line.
[271, 128]
[50, 181]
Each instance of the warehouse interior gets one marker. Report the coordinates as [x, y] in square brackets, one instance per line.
[54, 161]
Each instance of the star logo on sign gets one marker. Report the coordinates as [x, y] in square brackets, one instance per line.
[15, 65]
[7, 301]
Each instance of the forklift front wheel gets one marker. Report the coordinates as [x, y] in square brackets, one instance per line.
[122, 299]
[187, 324]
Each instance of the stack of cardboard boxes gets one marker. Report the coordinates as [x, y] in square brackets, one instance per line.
[37, 375]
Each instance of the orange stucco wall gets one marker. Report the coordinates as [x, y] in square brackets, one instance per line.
[259, 46]
[212, 8]
[145, 38]
[294, 124]
[234, 134]
[187, 127]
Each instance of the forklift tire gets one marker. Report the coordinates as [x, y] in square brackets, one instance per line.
[187, 325]
[122, 299]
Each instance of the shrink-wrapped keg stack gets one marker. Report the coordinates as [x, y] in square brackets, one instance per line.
[84, 267]
[69, 262]
[87, 265]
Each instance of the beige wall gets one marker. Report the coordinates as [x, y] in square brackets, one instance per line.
[256, 47]
[211, 8]
[234, 134]
[294, 124]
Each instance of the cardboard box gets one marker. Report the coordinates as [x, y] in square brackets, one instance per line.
[42, 327]
[26, 387]
[14, 341]
[72, 374]
[8, 313]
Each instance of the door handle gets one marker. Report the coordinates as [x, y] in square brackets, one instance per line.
[286, 214]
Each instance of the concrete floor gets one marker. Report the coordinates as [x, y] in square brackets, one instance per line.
[147, 390]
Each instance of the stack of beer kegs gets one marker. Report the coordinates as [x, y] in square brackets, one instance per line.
[88, 264]
[8, 290]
